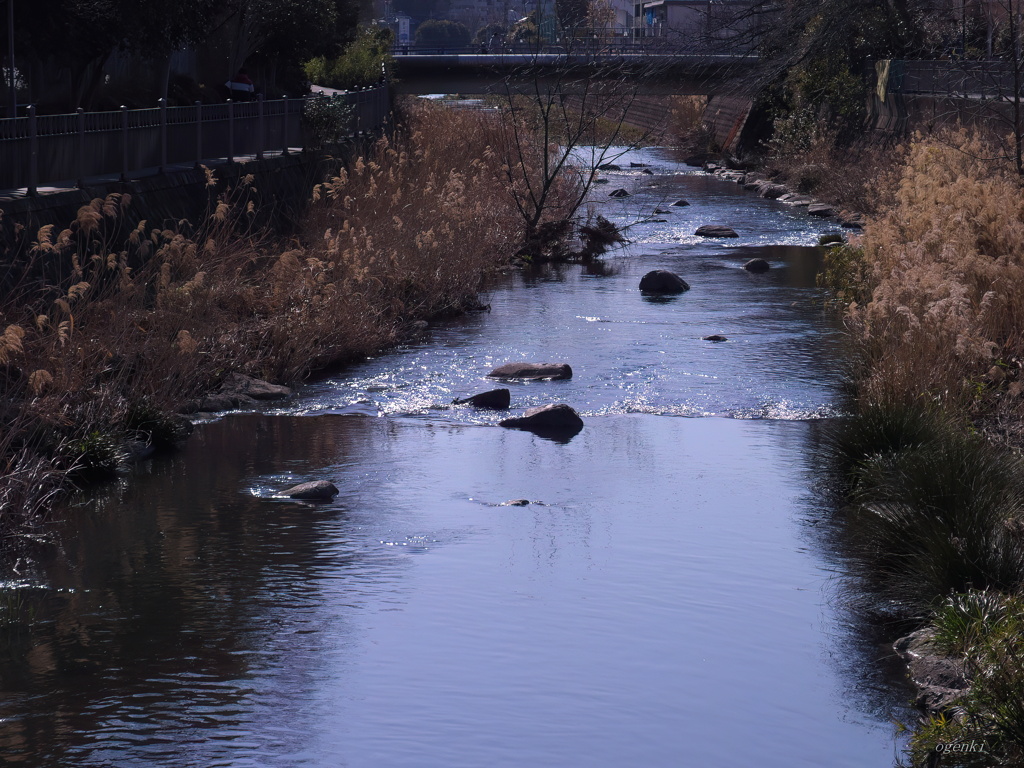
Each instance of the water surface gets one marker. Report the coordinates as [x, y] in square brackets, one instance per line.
[666, 599]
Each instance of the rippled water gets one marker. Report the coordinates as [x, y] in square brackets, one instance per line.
[667, 599]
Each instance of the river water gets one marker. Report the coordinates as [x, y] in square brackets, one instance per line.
[669, 597]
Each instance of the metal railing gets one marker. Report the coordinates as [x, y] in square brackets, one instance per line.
[50, 149]
[965, 79]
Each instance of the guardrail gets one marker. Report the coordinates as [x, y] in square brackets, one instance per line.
[48, 149]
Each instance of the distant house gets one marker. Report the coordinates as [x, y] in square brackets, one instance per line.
[698, 21]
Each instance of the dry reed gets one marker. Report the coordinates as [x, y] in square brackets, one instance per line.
[109, 331]
[945, 269]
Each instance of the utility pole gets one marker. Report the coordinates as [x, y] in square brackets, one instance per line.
[13, 104]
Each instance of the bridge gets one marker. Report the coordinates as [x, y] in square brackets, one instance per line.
[662, 73]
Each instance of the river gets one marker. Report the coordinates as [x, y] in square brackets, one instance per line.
[669, 597]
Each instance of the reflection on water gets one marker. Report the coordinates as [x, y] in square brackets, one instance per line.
[667, 599]
[639, 610]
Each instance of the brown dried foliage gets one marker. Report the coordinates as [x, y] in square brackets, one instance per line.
[945, 269]
[107, 320]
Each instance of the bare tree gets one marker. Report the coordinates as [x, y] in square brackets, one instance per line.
[562, 124]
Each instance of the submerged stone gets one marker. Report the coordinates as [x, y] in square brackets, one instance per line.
[532, 371]
[559, 419]
[315, 490]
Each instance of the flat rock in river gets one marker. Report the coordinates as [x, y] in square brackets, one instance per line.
[715, 230]
[532, 371]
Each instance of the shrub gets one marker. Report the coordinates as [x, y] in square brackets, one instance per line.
[365, 61]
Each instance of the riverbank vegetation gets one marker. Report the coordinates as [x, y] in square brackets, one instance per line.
[365, 62]
[109, 331]
[935, 516]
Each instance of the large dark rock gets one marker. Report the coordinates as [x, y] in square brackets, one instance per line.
[532, 371]
[757, 266]
[608, 167]
[497, 399]
[715, 230]
[315, 490]
[940, 679]
[554, 420]
[661, 281]
[257, 389]
[821, 210]
[680, 203]
[647, 172]
[618, 193]
[714, 337]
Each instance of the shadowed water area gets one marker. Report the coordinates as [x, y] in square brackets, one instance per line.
[668, 597]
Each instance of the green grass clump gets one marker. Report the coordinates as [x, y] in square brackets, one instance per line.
[964, 620]
[934, 508]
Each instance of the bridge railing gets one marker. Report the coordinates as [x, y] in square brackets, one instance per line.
[49, 149]
[583, 45]
[987, 79]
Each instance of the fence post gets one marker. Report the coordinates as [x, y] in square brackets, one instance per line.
[124, 143]
[199, 134]
[81, 148]
[33, 152]
[261, 134]
[284, 127]
[163, 134]
[231, 131]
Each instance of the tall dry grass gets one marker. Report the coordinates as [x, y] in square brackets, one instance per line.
[945, 269]
[107, 332]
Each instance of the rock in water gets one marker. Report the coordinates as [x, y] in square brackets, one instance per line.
[757, 266]
[618, 193]
[557, 419]
[316, 490]
[515, 503]
[498, 399]
[715, 230]
[532, 371]
[257, 389]
[820, 210]
[680, 203]
[661, 281]
[608, 167]
[714, 337]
